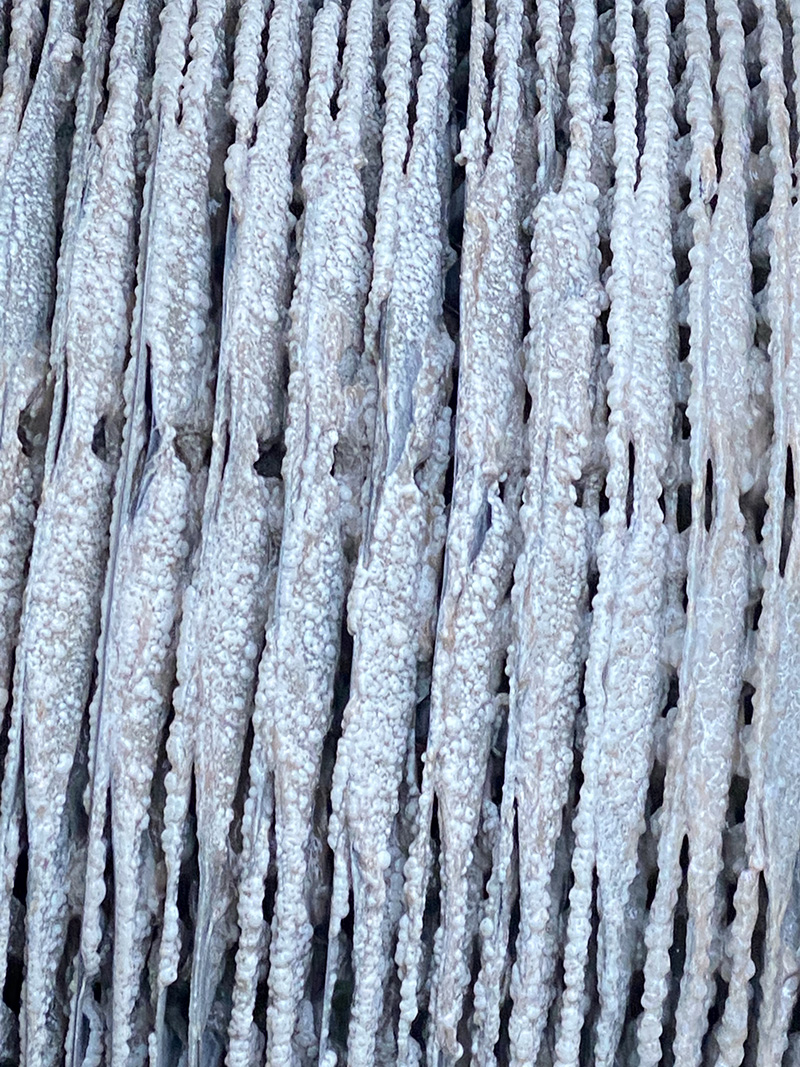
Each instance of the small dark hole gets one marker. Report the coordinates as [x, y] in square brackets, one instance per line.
[605, 337]
[270, 458]
[748, 691]
[684, 338]
[672, 693]
[449, 479]
[593, 582]
[686, 426]
[99, 439]
[526, 408]
[760, 134]
[227, 449]
[605, 263]
[730, 896]
[603, 500]
[754, 508]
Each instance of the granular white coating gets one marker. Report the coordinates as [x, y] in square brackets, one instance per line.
[398, 578]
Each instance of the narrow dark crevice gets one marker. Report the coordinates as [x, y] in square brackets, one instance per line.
[334, 99]
[496, 770]
[99, 439]
[737, 799]
[590, 982]
[342, 995]
[757, 956]
[640, 28]
[261, 85]
[754, 508]
[187, 55]
[152, 439]
[5, 36]
[38, 45]
[677, 956]
[188, 879]
[709, 1050]
[12, 989]
[431, 921]
[420, 40]
[685, 427]
[629, 498]
[465, 1023]
[673, 694]
[603, 503]
[787, 521]
[746, 703]
[708, 496]
[502, 1049]
[112, 17]
[684, 335]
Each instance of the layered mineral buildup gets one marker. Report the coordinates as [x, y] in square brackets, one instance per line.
[399, 587]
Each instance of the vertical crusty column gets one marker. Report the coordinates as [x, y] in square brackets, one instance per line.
[159, 493]
[392, 605]
[772, 826]
[720, 410]
[395, 136]
[31, 204]
[55, 655]
[625, 676]
[226, 607]
[473, 624]
[550, 586]
[324, 469]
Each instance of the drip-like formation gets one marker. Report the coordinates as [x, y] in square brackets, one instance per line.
[399, 583]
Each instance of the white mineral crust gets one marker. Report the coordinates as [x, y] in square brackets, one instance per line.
[399, 588]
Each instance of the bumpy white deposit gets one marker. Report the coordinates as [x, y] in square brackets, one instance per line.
[399, 595]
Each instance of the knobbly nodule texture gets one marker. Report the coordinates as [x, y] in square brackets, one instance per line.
[399, 588]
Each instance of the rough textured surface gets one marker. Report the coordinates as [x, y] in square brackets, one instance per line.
[399, 600]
